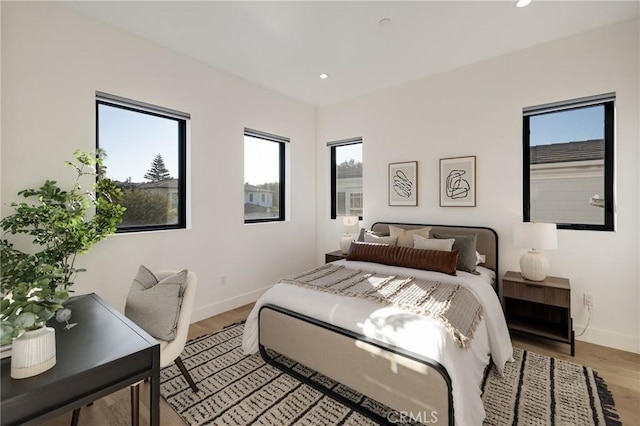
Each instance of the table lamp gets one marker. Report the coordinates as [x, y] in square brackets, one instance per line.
[535, 236]
[348, 226]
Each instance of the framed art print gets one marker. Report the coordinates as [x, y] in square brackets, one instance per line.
[458, 182]
[403, 184]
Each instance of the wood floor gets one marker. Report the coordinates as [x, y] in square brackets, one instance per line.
[620, 370]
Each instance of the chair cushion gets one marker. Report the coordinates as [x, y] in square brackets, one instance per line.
[154, 305]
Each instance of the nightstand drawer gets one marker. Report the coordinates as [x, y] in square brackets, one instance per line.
[536, 293]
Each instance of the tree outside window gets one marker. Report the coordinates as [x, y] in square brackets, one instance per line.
[146, 153]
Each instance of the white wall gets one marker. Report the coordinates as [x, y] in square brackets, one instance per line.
[54, 60]
[477, 110]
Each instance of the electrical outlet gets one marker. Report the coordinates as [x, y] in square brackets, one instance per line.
[223, 280]
[588, 299]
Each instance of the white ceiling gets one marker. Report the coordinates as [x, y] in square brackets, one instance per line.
[284, 46]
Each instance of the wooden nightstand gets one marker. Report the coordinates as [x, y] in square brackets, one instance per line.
[333, 256]
[540, 308]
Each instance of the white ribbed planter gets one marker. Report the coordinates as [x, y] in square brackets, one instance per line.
[32, 353]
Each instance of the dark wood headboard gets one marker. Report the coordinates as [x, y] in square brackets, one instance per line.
[487, 242]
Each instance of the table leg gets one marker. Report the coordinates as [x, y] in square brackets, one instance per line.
[135, 404]
[154, 394]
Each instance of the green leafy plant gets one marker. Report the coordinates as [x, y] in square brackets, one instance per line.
[144, 207]
[35, 283]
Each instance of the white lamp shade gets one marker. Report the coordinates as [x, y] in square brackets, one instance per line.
[348, 224]
[535, 235]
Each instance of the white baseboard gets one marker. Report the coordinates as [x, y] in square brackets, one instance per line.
[611, 339]
[227, 305]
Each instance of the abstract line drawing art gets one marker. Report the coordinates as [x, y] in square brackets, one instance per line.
[403, 184]
[457, 186]
[458, 182]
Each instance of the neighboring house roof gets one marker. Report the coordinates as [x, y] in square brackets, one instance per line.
[166, 183]
[251, 188]
[568, 151]
[345, 174]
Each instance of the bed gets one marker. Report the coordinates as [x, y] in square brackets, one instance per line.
[403, 360]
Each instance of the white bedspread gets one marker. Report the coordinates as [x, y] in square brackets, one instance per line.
[403, 329]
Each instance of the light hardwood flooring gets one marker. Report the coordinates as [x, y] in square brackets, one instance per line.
[620, 370]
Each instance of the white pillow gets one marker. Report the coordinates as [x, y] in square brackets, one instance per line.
[423, 243]
[405, 236]
[480, 258]
[370, 238]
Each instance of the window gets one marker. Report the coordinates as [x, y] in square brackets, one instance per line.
[264, 177]
[145, 148]
[355, 201]
[568, 163]
[346, 178]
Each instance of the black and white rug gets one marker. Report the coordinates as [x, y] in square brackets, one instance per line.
[240, 390]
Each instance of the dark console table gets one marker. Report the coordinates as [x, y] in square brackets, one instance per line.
[104, 352]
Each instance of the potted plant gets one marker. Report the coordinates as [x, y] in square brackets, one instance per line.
[35, 282]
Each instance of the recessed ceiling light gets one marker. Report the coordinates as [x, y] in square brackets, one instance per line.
[384, 21]
[523, 3]
[324, 76]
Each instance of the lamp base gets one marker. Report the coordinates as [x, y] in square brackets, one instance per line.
[345, 243]
[534, 265]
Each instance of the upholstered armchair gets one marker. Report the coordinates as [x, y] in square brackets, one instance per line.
[161, 303]
[170, 350]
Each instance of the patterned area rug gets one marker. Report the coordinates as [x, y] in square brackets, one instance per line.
[241, 390]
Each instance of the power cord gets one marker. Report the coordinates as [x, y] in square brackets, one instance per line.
[589, 306]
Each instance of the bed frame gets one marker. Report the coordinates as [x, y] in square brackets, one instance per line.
[414, 386]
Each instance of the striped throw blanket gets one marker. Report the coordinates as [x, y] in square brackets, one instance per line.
[452, 305]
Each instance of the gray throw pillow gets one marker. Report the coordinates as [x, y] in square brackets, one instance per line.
[154, 305]
[377, 234]
[466, 246]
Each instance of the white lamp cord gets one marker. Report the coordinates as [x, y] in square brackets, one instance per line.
[588, 321]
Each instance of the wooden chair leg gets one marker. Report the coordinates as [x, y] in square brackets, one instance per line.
[186, 374]
[135, 404]
[75, 417]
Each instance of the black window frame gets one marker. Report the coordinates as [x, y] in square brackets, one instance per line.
[608, 102]
[282, 155]
[334, 173]
[181, 119]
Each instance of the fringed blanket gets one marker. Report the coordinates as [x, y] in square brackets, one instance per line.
[452, 305]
